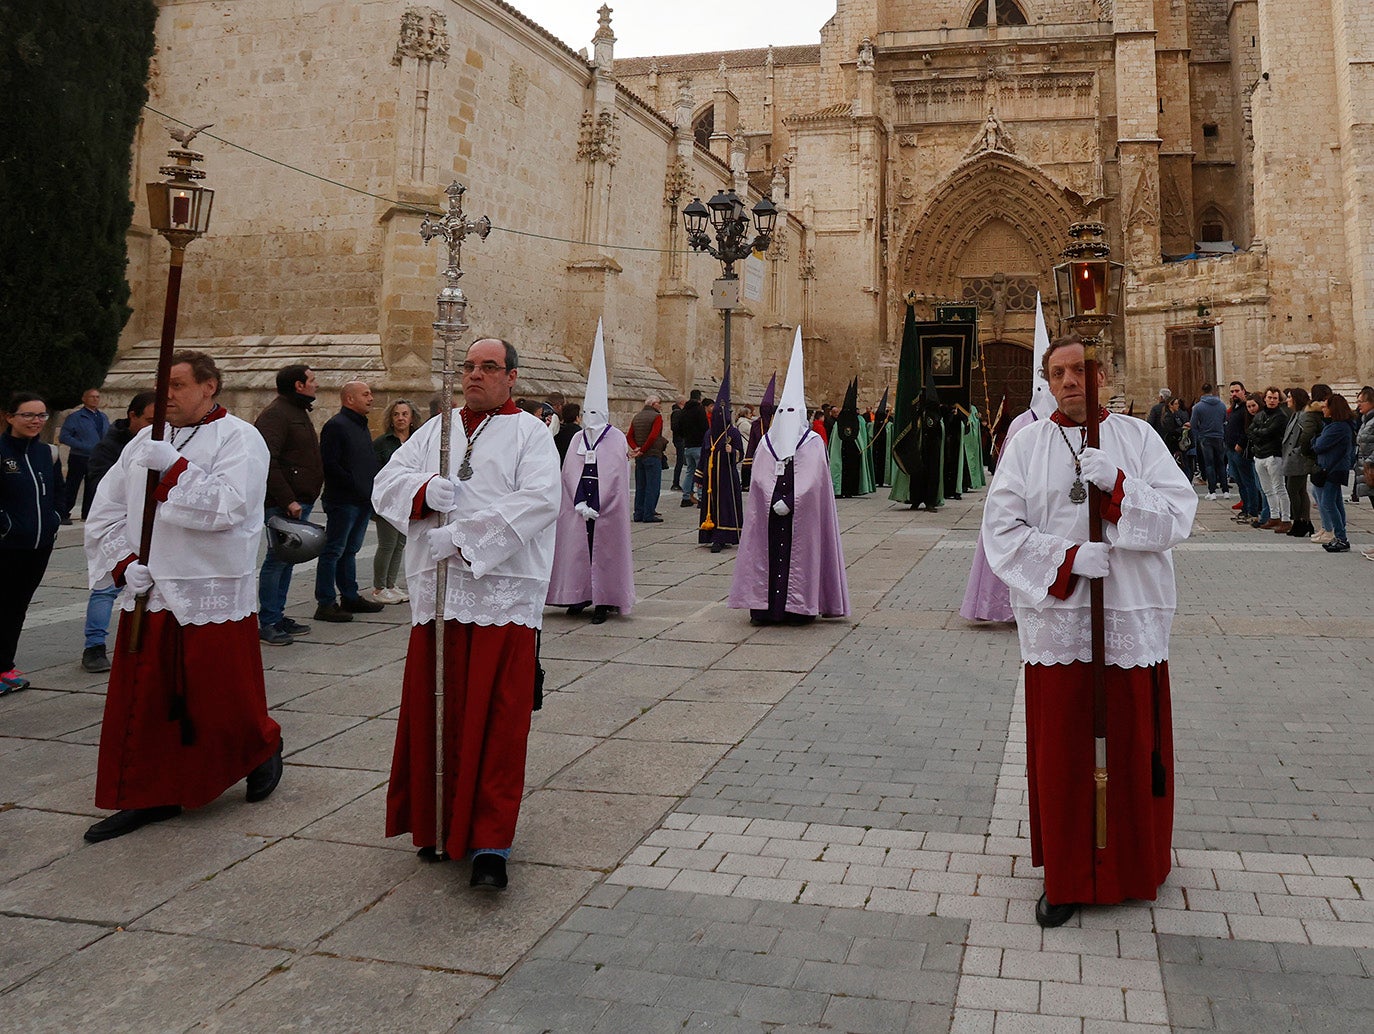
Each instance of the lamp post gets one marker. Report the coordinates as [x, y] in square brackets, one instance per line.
[1088, 284]
[450, 324]
[730, 224]
[179, 209]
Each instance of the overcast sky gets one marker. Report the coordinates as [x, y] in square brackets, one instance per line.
[644, 27]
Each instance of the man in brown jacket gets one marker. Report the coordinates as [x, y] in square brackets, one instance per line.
[647, 446]
[294, 478]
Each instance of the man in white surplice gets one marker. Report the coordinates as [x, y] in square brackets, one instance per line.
[501, 493]
[1035, 531]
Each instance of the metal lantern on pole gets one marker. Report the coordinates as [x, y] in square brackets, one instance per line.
[1088, 284]
[729, 222]
[450, 324]
[179, 209]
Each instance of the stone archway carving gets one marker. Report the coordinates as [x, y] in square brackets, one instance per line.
[993, 186]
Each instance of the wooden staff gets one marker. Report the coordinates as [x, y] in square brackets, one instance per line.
[1098, 615]
[159, 430]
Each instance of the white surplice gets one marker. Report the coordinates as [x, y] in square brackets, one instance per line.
[204, 556]
[1029, 525]
[503, 522]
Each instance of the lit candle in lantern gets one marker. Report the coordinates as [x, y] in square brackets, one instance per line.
[181, 209]
[1087, 292]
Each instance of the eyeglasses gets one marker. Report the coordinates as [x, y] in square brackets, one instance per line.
[488, 369]
[31, 416]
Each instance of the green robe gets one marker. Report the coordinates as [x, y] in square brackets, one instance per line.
[866, 461]
[973, 449]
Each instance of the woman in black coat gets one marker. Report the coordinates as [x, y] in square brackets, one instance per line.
[29, 520]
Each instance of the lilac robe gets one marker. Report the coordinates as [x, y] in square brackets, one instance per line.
[987, 598]
[599, 570]
[815, 581]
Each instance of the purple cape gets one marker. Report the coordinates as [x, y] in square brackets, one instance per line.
[603, 571]
[816, 582]
[987, 597]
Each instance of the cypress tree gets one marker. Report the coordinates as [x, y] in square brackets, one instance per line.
[73, 79]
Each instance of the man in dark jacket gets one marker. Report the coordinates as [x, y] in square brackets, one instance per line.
[294, 477]
[692, 427]
[1238, 463]
[675, 426]
[100, 604]
[350, 465]
[81, 433]
[1266, 448]
[1208, 424]
[1159, 413]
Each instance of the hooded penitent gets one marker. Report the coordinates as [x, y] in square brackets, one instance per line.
[790, 566]
[881, 448]
[591, 560]
[718, 475]
[849, 455]
[767, 407]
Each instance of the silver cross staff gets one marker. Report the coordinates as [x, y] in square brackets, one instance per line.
[449, 326]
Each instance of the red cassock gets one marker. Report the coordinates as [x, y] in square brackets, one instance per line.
[186, 716]
[489, 674]
[1059, 768]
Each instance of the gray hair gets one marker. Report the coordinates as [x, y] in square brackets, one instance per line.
[653, 400]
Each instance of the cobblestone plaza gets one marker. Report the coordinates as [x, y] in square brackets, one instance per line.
[728, 828]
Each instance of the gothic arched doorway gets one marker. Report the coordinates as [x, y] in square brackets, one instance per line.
[1006, 367]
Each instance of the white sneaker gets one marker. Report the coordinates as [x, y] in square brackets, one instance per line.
[1211, 495]
[399, 595]
[381, 595]
[1323, 536]
[1226, 495]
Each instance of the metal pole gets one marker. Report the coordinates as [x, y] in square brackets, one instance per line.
[1091, 366]
[727, 343]
[449, 326]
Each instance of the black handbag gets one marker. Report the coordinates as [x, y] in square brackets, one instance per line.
[1319, 478]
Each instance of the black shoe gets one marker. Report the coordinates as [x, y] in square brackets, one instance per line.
[93, 659]
[599, 614]
[264, 779]
[655, 519]
[716, 547]
[66, 521]
[1336, 546]
[358, 605]
[488, 872]
[293, 628]
[127, 821]
[687, 502]
[675, 487]
[1048, 915]
[274, 635]
[430, 855]
[332, 612]
[578, 608]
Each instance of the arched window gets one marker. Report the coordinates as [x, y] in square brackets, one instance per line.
[705, 126]
[1212, 226]
[1007, 12]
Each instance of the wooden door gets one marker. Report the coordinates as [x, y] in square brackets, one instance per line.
[1191, 361]
[1006, 367]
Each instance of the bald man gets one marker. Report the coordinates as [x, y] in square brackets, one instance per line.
[350, 464]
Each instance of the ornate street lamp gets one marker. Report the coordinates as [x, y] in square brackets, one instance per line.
[1088, 284]
[728, 219]
[179, 209]
[450, 324]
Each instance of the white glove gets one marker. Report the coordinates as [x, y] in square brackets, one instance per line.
[138, 578]
[441, 544]
[586, 512]
[1098, 469]
[781, 508]
[440, 494]
[157, 455]
[1091, 560]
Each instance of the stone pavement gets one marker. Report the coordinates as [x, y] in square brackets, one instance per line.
[728, 828]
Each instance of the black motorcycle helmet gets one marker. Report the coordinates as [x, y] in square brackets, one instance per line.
[294, 541]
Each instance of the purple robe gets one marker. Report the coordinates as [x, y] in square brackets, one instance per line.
[987, 598]
[718, 486]
[808, 578]
[591, 559]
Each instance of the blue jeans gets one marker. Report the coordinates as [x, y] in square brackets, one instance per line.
[648, 484]
[1243, 473]
[1211, 457]
[689, 471]
[345, 527]
[98, 610]
[1331, 505]
[275, 580]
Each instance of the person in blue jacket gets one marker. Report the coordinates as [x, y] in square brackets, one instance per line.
[1335, 450]
[81, 432]
[29, 519]
[1208, 421]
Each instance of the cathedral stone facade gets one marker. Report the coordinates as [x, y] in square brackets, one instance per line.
[922, 151]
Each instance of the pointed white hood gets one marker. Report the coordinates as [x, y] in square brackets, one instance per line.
[790, 422]
[596, 403]
[1042, 402]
